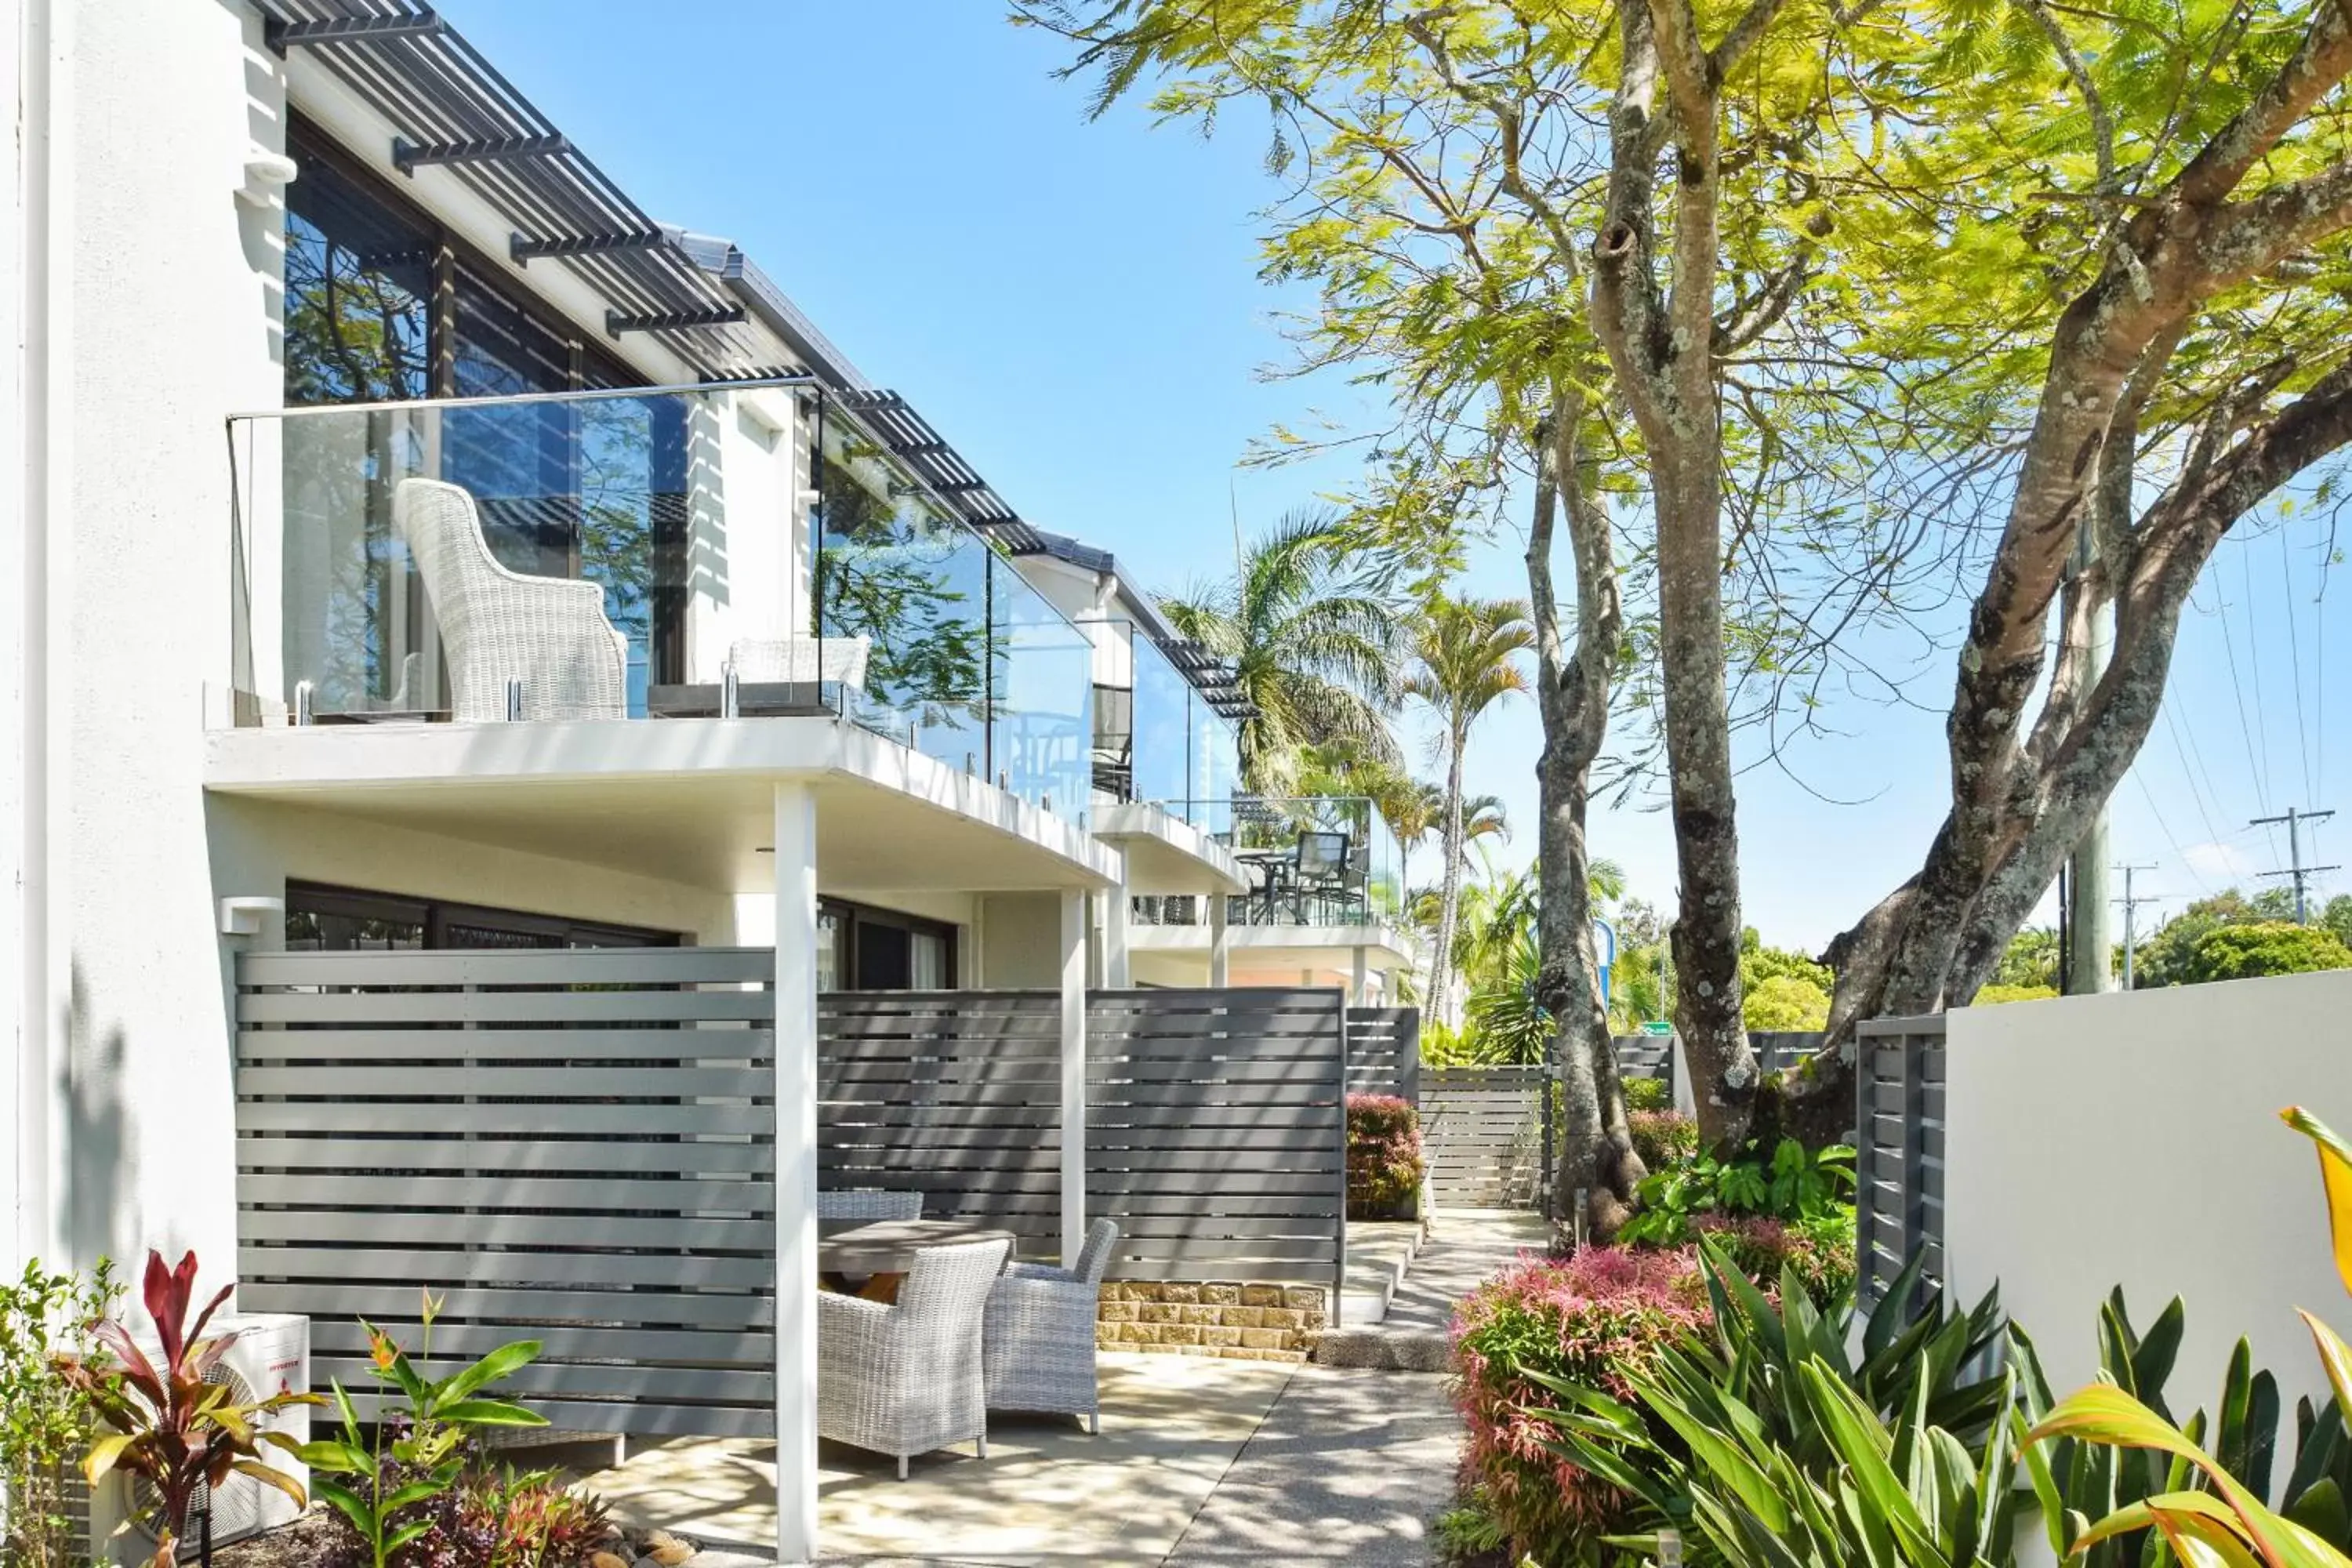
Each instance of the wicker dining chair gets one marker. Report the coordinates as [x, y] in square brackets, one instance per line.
[1040, 1341]
[498, 626]
[905, 1379]
[865, 1204]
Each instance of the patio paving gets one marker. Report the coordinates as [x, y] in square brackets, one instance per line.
[1349, 1466]
[1048, 1493]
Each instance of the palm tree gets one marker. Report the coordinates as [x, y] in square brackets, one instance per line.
[1464, 660]
[1312, 648]
[1482, 817]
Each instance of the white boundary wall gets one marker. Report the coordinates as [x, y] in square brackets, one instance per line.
[2134, 1139]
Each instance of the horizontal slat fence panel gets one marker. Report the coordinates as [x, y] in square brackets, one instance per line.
[576, 1146]
[956, 1095]
[1646, 1055]
[1384, 1051]
[1482, 1130]
[1900, 1150]
[1216, 1132]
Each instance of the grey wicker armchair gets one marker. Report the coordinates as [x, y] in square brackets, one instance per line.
[546, 635]
[868, 1205]
[1040, 1349]
[905, 1379]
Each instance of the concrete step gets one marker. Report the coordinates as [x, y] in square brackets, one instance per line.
[1464, 1249]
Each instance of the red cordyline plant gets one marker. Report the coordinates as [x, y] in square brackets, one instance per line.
[170, 1425]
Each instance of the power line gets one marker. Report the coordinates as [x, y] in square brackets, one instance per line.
[2166, 828]
[2172, 724]
[2294, 659]
[2254, 663]
[2296, 868]
[2238, 690]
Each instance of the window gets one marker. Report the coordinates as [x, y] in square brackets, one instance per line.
[384, 305]
[358, 290]
[861, 948]
[345, 919]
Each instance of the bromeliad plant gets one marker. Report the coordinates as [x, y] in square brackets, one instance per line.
[2209, 1513]
[171, 1425]
[416, 1457]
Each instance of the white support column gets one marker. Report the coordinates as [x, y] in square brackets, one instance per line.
[1219, 948]
[795, 1173]
[1356, 980]
[1073, 1075]
[1118, 972]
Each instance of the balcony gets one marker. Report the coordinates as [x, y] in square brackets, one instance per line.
[1322, 861]
[1158, 738]
[744, 551]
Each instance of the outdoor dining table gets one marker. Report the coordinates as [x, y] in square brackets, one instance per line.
[867, 1249]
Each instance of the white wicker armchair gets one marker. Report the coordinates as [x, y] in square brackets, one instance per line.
[1040, 1349]
[806, 660]
[905, 1379]
[866, 1205]
[499, 626]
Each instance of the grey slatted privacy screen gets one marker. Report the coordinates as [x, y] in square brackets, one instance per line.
[956, 1095]
[1645, 1055]
[576, 1146]
[1384, 1051]
[1899, 1149]
[1652, 1056]
[1481, 1131]
[1216, 1132]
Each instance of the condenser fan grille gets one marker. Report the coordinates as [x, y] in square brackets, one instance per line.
[236, 1507]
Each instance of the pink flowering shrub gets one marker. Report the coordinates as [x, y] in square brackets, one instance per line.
[1590, 1320]
[1661, 1138]
[1384, 1162]
[1821, 1251]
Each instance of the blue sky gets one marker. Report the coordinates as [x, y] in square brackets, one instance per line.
[1076, 306]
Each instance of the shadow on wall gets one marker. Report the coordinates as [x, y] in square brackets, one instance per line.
[99, 1219]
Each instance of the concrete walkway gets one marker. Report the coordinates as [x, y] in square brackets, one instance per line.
[1200, 1461]
[1349, 1466]
[1465, 1248]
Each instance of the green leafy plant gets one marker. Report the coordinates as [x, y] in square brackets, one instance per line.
[1768, 1396]
[45, 1423]
[170, 1425]
[1794, 1183]
[2212, 1509]
[1647, 1094]
[416, 1454]
[1892, 1491]
[2077, 1482]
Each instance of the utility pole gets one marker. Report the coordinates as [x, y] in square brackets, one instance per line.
[2131, 904]
[2295, 867]
[2090, 931]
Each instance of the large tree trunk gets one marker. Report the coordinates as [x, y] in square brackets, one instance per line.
[1596, 1150]
[2021, 799]
[1661, 343]
[2077, 756]
[1449, 897]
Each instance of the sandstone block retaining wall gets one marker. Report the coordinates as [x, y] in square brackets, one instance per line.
[1237, 1322]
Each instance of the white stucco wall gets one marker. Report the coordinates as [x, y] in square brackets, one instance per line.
[169, 294]
[1021, 939]
[15, 1243]
[2134, 1139]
